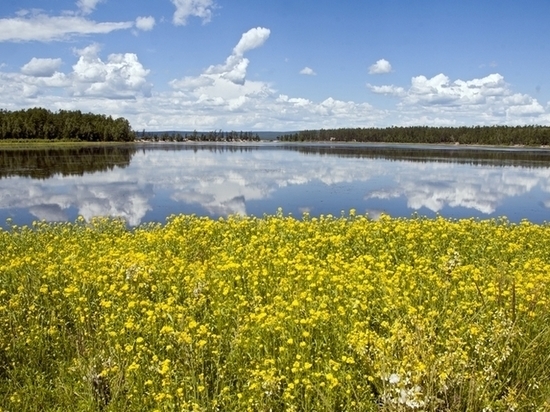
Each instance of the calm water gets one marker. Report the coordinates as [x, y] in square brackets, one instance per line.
[150, 182]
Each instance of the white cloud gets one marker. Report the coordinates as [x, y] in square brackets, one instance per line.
[308, 71]
[195, 8]
[122, 76]
[41, 67]
[440, 101]
[222, 95]
[89, 67]
[145, 23]
[19, 87]
[531, 108]
[220, 98]
[221, 79]
[388, 90]
[92, 81]
[41, 27]
[234, 68]
[439, 90]
[252, 39]
[87, 6]
[382, 66]
[295, 101]
[190, 83]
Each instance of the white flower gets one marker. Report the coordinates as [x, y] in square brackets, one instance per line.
[394, 378]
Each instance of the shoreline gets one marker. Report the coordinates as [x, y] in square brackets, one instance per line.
[44, 144]
[41, 144]
[325, 143]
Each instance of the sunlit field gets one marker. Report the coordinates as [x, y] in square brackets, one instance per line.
[275, 314]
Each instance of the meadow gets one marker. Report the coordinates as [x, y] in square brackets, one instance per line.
[275, 314]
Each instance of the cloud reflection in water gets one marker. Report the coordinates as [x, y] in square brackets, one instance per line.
[220, 182]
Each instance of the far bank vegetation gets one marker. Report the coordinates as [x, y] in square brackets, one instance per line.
[211, 136]
[482, 135]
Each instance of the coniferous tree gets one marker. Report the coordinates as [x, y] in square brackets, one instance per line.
[40, 123]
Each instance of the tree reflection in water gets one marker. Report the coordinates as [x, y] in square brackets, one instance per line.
[43, 163]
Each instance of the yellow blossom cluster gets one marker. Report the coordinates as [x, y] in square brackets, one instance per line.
[275, 314]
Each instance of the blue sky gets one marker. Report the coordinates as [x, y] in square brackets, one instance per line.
[280, 65]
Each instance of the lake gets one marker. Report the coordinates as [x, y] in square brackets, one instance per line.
[148, 182]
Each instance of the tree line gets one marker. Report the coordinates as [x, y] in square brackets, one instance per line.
[212, 136]
[486, 135]
[43, 124]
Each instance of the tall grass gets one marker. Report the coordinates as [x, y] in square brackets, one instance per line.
[275, 314]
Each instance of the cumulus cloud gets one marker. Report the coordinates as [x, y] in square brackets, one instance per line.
[218, 99]
[531, 108]
[17, 88]
[382, 66]
[487, 100]
[252, 39]
[41, 67]
[441, 90]
[121, 76]
[223, 95]
[41, 27]
[219, 103]
[192, 8]
[308, 71]
[145, 23]
[233, 70]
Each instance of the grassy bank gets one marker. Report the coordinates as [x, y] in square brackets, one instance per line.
[276, 314]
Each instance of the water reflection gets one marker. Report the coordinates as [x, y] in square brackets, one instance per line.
[40, 163]
[256, 179]
[435, 188]
[473, 155]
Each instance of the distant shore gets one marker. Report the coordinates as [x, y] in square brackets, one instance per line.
[38, 143]
[348, 144]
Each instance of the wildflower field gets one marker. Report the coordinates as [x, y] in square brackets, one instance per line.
[275, 314]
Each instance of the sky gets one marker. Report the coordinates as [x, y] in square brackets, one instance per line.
[280, 65]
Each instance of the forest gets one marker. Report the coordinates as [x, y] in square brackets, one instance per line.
[64, 125]
[483, 135]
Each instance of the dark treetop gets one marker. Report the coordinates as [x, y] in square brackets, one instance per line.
[42, 124]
